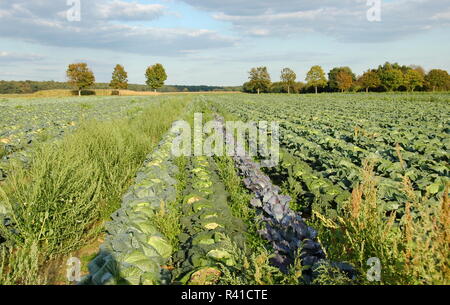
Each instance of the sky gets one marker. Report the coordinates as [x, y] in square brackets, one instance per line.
[216, 42]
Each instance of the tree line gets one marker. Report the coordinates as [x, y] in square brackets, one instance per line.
[386, 78]
[81, 78]
[29, 86]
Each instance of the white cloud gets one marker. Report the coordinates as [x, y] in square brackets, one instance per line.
[442, 16]
[11, 57]
[102, 26]
[344, 20]
[121, 10]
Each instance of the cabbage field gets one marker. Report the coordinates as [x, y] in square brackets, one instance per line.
[23, 122]
[360, 177]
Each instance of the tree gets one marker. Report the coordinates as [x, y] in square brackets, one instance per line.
[278, 87]
[156, 76]
[332, 75]
[316, 77]
[391, 79]
[119, 78]
[80, 76]
[288, 78]
[391, 75]
[413, 79]
[437, 79]
[419, 69]
[259, 79]
[247, 87]
[344, 81]
[369, 80]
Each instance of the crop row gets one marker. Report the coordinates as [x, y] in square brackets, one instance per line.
[207, 222]
[285, 229]
[339, 161]
[134, 250]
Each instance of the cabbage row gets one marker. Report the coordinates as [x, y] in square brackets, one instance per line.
[284, 228]
[134, 250]
[309, 189]
[207, 220]
[408, 136]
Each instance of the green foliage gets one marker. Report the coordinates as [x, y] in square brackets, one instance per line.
[397, 208]
[413, 79]
[251, 268]
[369, 80]
[27, 123]
[327, 274]
[72, 185]
[437, 79]
[333, 82]
[239, 201]
[167, 220]
[3, 151]
[206, 220]
[27, 87]
[119, 78]
[80, 76]
[259, 80]
[413, 250]
[288, 78]
[155, 76]
[391, 79]
[21, 265]
[280, 87]
[316, 77]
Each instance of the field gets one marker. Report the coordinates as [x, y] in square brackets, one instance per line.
[64, 93]
[361, 178]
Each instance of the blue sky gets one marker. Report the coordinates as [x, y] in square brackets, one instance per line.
[215, 42]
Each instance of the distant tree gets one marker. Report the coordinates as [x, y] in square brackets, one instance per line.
[316, 77]
[369, 80]
[332, 75]
[413, 79]
[259, 79]
[288, 78]
[156, 76]
[247, 87]
[419, 69]
[298, 87]
[278, 87]
[391, 79]
[344, 81]
[437, 79]
[395, 66]
[119, 78]
[80, 76]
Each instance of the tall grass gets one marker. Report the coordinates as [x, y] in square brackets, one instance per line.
[2, 151]
[412, 249]
[60, 202]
